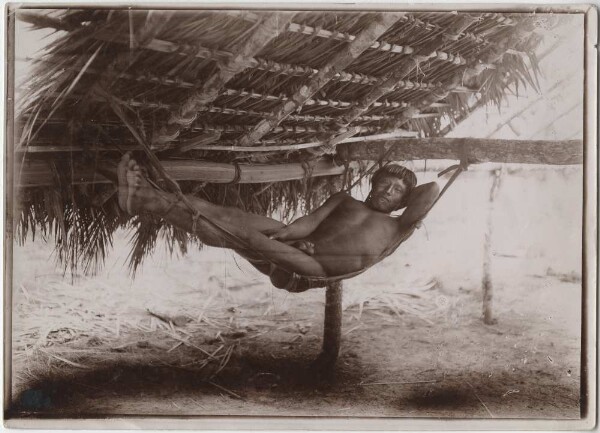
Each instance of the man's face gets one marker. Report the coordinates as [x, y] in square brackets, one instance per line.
[387, 194]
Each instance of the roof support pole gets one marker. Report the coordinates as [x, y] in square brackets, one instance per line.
[267, 29]
[332, 331]
[487, 285]
[339, 62]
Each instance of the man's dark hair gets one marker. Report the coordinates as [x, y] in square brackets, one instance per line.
[399, 172]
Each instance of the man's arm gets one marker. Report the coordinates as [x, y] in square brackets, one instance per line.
[420, 201]
[305, 225]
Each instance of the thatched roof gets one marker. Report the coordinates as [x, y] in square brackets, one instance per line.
[240, 88]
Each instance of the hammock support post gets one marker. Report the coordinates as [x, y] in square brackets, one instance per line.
[332, 329]
[487, 286]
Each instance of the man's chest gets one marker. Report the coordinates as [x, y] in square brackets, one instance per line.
[355, 220]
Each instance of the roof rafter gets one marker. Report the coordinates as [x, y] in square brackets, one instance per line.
[383, 46]
[256, 63]
[388, 84]
[147, 76]
[267, 29]
[339, 61]
[459, 77]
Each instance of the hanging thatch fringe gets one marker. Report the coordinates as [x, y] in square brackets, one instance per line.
[339, 62]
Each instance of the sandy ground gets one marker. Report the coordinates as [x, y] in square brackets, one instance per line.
[207, 335]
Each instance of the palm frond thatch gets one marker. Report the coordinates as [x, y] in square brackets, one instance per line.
[150, 70]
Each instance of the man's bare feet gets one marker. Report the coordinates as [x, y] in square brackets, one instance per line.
[135, 193]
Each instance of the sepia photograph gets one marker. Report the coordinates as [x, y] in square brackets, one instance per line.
[230, 217]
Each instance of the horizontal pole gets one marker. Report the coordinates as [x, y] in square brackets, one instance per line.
[559, 152]
[51, 148]
[38, 173]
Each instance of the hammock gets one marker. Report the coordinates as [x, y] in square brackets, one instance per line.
[300, 283]
[295, 278]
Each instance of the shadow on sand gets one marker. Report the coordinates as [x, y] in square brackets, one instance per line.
[246, 376]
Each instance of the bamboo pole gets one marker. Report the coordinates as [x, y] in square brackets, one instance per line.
[39, 173]
[339, 62]
[269, 28]
[560, 152]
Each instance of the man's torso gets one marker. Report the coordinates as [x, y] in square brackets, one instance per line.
[352, 237]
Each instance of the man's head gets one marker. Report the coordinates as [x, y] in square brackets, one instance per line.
[391, 186]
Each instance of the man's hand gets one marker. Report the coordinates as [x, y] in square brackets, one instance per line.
[284, 234]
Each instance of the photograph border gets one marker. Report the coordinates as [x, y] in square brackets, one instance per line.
[590, 244]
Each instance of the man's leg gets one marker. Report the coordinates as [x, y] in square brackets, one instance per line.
[222, 227]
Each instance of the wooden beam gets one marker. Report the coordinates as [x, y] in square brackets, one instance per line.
[339, 62]
[38, 173]
[564, 152]
[269, 28]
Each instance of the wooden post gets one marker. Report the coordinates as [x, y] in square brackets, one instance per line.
[488, 318]
[332, 329]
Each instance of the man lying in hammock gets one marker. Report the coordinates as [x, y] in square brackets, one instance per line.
[340, 239]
